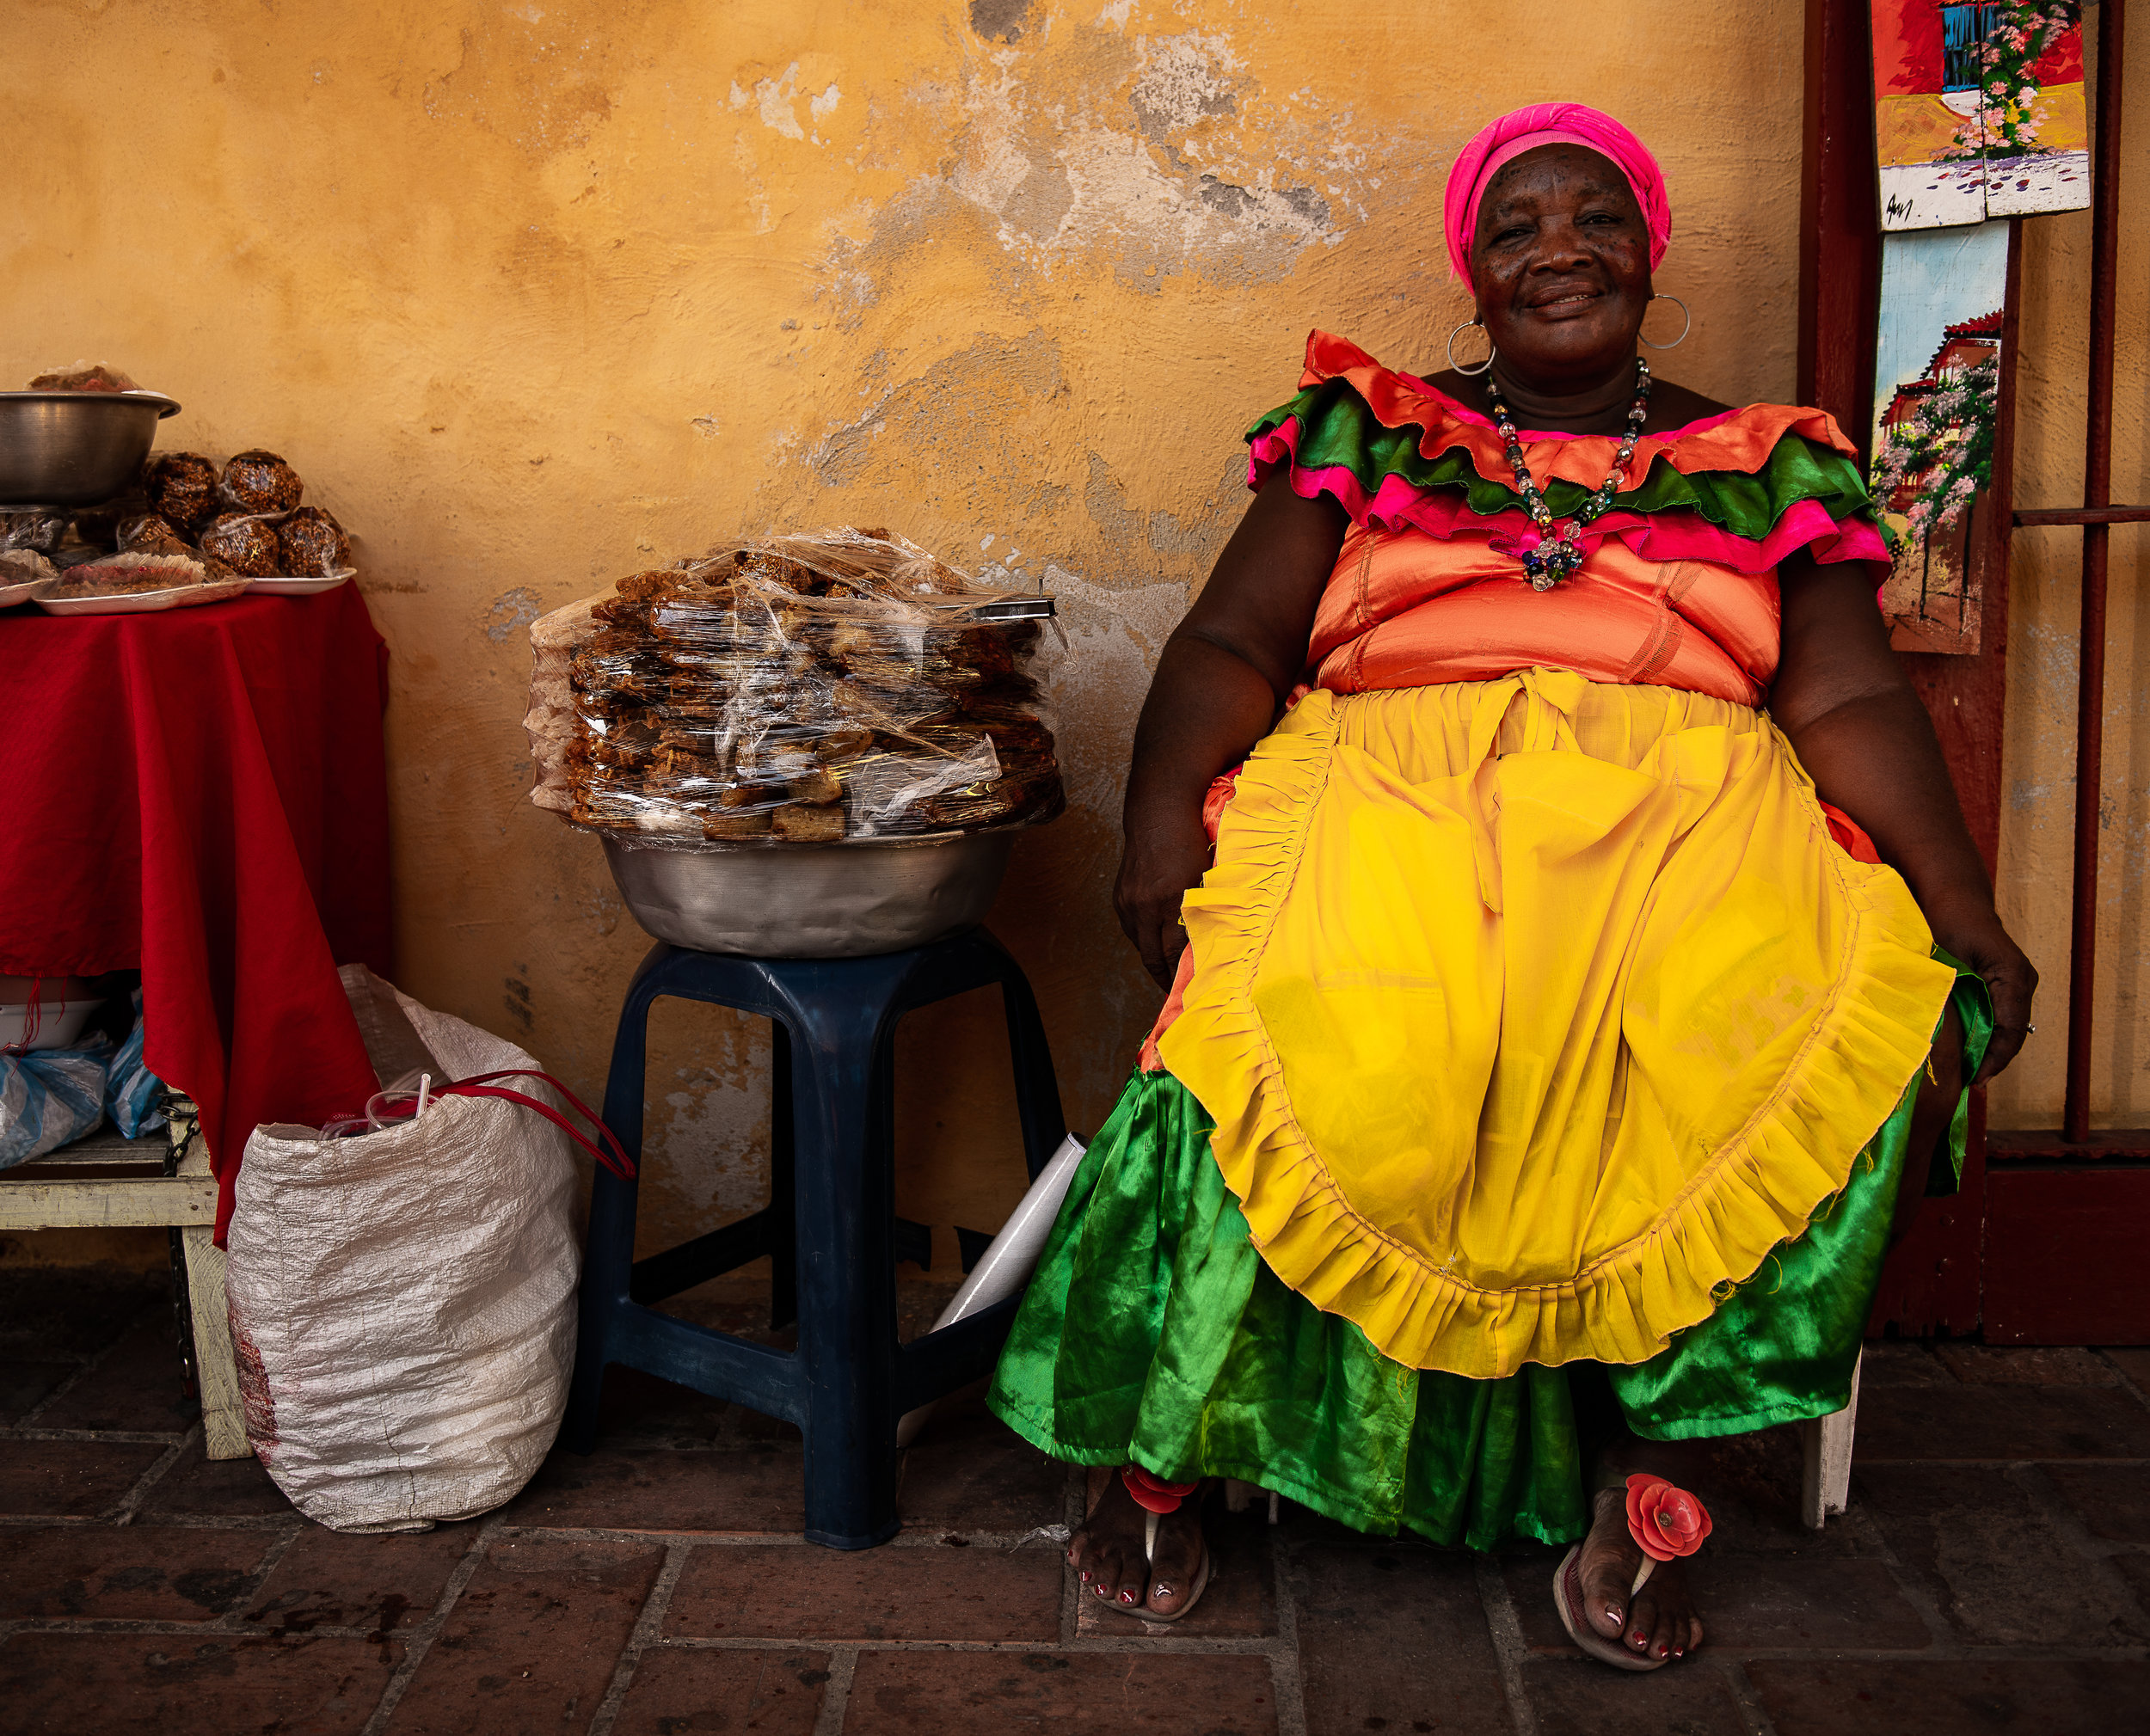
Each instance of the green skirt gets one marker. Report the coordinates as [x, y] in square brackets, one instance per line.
[1153, 1333]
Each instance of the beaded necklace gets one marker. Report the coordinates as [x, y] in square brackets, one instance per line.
[1558, 553]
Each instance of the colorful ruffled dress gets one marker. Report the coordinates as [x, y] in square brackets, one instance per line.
[1538, 1022]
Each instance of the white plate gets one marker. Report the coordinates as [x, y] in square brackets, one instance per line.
[144, 602]
[12, 594]
[304, 587]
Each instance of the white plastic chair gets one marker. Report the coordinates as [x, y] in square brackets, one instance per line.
[1825, 1486]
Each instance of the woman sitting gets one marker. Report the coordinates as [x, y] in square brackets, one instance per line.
[1583, 958]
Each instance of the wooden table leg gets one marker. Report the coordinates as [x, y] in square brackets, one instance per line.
[216, 1369]
[223, 1417]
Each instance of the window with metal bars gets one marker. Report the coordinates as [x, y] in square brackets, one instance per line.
[1963, 32]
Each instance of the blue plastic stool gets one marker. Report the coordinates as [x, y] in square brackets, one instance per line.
[830, 1228]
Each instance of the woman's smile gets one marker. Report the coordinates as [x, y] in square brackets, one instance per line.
[1562, 298]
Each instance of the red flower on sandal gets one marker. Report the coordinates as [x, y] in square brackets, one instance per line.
[1666, 1522]
[1153, 1493]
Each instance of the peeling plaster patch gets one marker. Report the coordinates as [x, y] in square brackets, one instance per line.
[772, 99]
[708, 426]
[956, 420]
[1115, 13]
[541, 93]
[1114, 638]
[602, 907]
[1041, 199]
[711, 1146]
[1108, 506]
[1073, 180]
[511, 610]
[1185, 80]
[1148, 613]
[1195, 539]
[930, 214]
[1000, 21]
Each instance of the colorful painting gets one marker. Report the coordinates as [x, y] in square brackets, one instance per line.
[1978, 111]
[1937, 380]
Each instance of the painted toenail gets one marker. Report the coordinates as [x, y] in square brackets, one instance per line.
[1085, 1576]
[1126, 1597]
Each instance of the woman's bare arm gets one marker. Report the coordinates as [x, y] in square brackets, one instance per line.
[1842, 699]
[1222, 676]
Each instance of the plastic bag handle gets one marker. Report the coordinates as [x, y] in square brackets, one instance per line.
[612, 1154]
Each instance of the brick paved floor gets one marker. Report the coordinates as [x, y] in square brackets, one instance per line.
[1993, 1573]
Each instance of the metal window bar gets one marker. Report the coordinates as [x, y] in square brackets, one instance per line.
[2096, 517]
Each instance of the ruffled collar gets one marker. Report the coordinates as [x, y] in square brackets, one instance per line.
[1737, 440]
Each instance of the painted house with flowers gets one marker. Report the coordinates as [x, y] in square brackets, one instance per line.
[1963, 347]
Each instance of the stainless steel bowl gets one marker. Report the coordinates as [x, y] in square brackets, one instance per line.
[74, 449]
[815, 900]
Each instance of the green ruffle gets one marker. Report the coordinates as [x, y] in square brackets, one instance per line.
[1338, 428]
[1153, 1333]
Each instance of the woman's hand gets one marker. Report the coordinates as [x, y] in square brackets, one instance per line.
[1863, 734]
[1162, 858]
[1980, 940]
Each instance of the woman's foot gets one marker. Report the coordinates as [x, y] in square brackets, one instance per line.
[1658, 1621]
[1106, 1552]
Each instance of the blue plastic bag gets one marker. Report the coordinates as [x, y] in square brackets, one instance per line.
[49, 1097]
[134, 1097]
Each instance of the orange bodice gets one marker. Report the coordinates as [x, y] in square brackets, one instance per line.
[1404, 609]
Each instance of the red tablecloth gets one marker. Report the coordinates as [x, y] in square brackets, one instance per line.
[202, 794]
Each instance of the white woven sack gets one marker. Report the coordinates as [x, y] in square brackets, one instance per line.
[403, 1301]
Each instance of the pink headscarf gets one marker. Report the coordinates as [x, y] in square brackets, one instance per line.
[1550, 123]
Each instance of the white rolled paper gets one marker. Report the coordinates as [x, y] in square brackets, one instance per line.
[1009, 1259]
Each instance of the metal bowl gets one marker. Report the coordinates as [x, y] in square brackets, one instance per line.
[74, 449]
[844, 901]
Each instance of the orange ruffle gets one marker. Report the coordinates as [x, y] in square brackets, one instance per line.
[1740, 441]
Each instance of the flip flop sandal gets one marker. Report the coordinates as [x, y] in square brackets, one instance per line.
[1142, 1611]
[1568, 1600]
[1172, 1495]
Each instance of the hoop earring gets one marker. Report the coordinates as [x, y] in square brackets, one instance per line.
[1458, 365]
[1686, 320]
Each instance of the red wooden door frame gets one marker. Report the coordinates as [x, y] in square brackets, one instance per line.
[2048, 1251]
[1932, 1279]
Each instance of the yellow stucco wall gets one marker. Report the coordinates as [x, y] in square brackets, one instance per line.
[534, 296]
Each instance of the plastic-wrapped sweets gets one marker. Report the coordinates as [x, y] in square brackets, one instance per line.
[801, 688]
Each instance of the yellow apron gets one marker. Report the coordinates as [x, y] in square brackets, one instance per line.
[1531, 1012]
